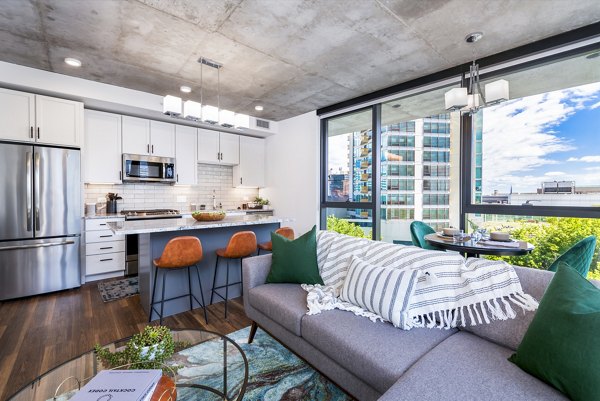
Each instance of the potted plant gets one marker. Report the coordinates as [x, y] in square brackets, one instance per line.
[146, 350]
[261, 202]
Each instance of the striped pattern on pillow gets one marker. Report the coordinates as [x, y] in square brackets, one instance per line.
[385, 291]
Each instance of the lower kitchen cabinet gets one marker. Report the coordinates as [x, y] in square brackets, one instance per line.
[104, 250]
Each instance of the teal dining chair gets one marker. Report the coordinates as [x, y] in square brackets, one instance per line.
[418, 231]
[579, 256]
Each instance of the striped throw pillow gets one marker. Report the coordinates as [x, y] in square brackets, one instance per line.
[385, 291]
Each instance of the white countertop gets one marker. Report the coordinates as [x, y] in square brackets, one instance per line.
[164, 225]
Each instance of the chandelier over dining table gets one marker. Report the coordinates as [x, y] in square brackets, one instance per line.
[471, 98]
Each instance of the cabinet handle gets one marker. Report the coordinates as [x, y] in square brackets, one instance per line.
[148, 148]
[102, 224]
[106, 247]
[152, 149]
[221, 156]
[31, 132]
[38, 132]
[218, 156]
[177, 177]
[106, 236]
[105, 260]
[241, 180]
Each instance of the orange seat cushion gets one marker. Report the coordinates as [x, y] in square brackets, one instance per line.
[266, 246]
[180, 252]
[241, 245]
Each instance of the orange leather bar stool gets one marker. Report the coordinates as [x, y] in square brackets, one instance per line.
[240, 246]
[179, 253]
[286, 232]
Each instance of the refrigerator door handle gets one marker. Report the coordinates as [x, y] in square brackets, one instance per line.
[29, 175]
[36, 193]
[46, 245]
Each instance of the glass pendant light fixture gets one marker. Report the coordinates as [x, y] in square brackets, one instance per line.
[472, 98]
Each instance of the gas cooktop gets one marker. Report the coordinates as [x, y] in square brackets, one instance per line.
[151, 214]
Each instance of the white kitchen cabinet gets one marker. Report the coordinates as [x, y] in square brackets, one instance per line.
[229, 145]
[104, 251]
[218, 147]
[208, 146]
[102, 150]
[250, 172]
[136, 135]
[162, 139]
[43, 119]
[58, 121]
[146, 137]
[185, 155]
[17, 113]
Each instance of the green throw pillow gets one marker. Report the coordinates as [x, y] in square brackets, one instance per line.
[561, 345]
[295, 261]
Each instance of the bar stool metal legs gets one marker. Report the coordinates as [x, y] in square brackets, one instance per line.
[162, 301]
[227, 284]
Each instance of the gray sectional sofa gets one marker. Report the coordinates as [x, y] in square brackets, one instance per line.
[376, 361]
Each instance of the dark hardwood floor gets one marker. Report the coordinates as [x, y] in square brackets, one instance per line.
[38, 333]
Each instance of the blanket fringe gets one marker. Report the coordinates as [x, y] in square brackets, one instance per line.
[485, 311]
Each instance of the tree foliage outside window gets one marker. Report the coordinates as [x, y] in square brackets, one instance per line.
[344, 226]
[551, 238]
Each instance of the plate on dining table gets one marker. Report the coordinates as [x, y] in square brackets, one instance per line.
[441, 234]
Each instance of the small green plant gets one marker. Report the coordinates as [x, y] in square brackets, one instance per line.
[146, 350]
[346, 227]
[261, 201]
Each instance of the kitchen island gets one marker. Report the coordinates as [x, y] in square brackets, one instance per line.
[153, 236]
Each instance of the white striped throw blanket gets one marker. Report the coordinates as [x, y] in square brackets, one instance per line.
[449, 291]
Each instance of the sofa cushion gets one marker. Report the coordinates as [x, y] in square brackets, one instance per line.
[295, 261]
[560, 346]
[382, 290]
[378, 353]
[284, 303]
[466, 367]
[509, 333]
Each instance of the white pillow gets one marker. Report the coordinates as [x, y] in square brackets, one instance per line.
[385, 291]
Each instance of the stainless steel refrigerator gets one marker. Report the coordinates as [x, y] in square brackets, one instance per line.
[40, 219]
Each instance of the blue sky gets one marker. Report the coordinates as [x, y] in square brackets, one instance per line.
[546, 137]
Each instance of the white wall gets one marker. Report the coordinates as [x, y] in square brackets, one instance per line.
[292, 171]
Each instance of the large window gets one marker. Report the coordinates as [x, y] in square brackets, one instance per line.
[348, 194]
[537, 153]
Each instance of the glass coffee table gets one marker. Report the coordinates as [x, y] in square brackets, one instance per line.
[211, 367]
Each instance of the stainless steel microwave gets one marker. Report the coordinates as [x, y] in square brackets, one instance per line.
[143, 168]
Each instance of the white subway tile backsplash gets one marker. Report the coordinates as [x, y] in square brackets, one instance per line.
[211, 178]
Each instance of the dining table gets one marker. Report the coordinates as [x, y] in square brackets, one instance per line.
[472, 248]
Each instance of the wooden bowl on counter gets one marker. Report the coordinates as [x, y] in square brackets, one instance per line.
[210, 215]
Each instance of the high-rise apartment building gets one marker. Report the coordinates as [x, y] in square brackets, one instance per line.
[415, 175]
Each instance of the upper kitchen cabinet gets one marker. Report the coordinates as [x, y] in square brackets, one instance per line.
[218, 147]
[251, 170]
[34, 118]
[162, 139]
[17, 115]
[145, 137]
[136, 135]
[229, 145]
[185, 155]
[102, 150]
[58, 121]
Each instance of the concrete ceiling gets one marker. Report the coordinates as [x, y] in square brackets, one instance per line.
[291, 56]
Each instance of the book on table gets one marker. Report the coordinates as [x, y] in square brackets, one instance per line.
[120, 385]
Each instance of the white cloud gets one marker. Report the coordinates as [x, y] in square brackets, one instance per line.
[595, 106]
[586, 159]
[520, 136]
[595, 168]
[554, 173]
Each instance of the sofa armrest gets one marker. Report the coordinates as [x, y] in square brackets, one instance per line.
[254, 273]
[255, 270]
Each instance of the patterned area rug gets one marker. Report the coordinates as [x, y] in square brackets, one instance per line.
[274, 373]
[118, 289]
